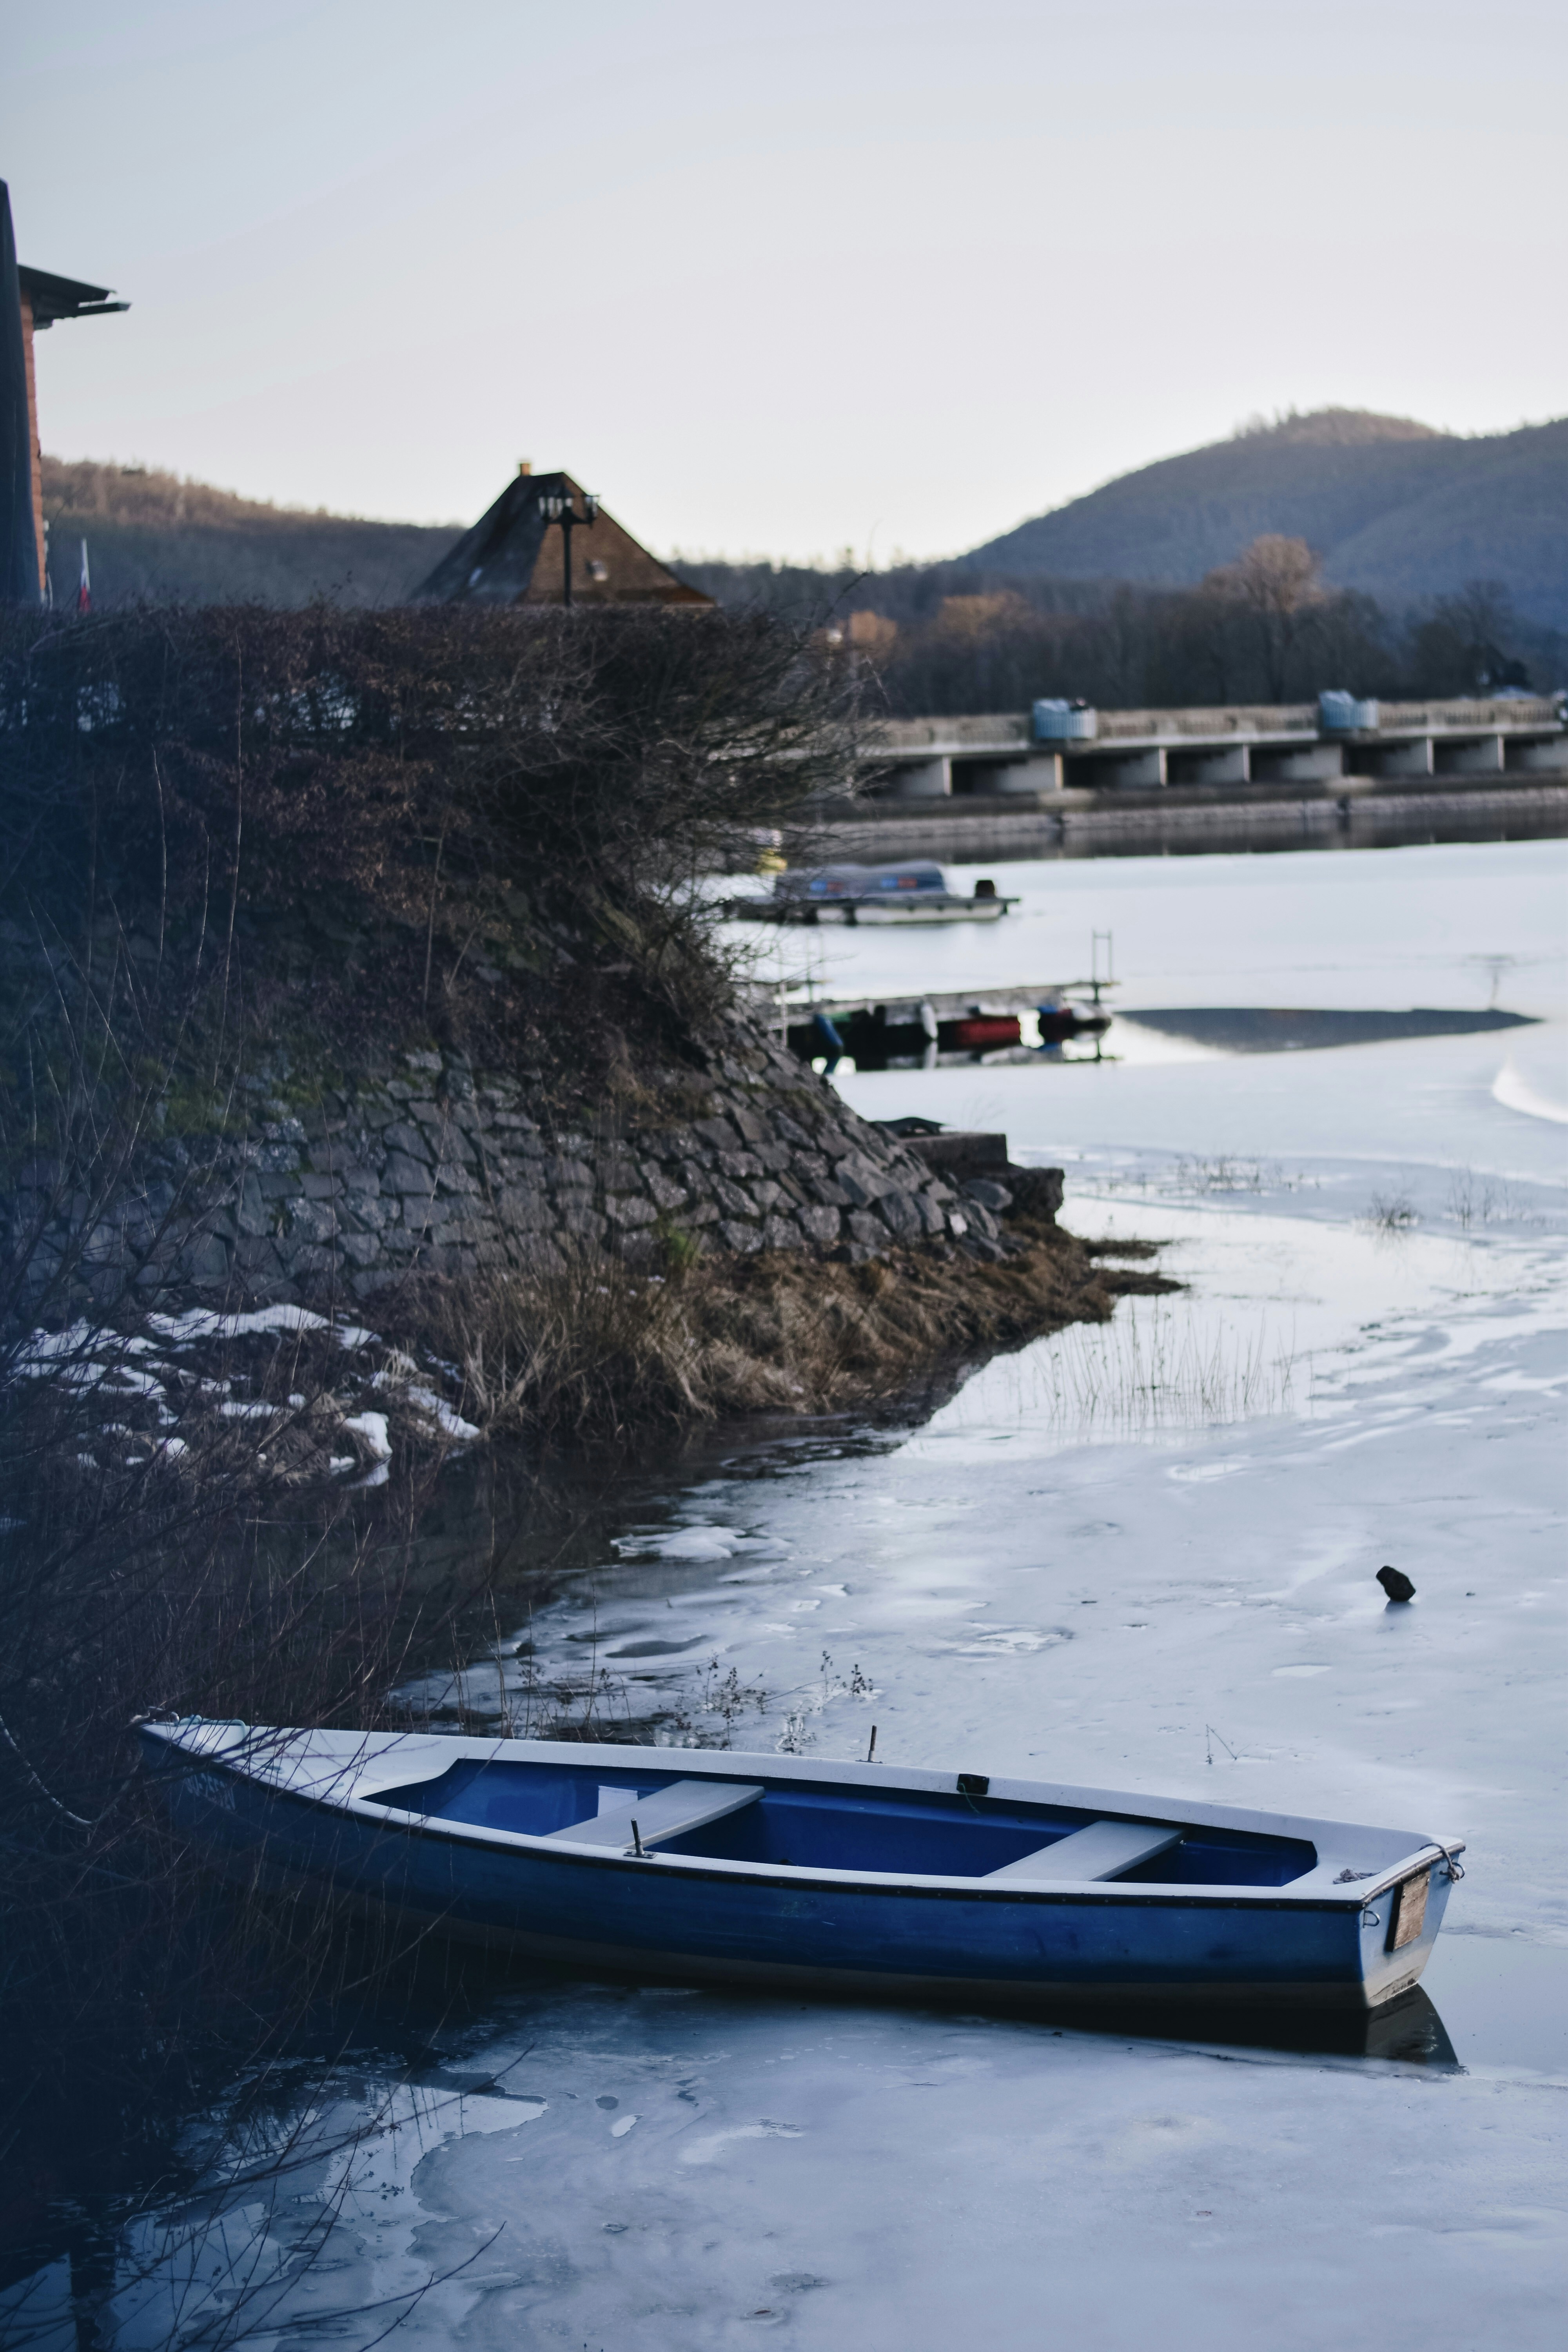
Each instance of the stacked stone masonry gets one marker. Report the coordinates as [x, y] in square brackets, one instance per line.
[443, 1170]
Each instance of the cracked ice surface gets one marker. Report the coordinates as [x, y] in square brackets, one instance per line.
[1098, 1549]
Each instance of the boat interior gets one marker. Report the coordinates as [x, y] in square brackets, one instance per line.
[964, 1834]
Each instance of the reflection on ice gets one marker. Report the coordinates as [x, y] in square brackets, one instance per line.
[501, 2191]
[1156, 1366]
[1407, 2032]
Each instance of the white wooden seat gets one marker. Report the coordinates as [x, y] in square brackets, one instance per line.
[1103, 1850]
[667, 1813]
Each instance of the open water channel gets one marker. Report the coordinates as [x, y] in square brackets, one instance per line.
[1137, 1556]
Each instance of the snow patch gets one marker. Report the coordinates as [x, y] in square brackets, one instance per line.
[204, 1323]
[371, 1428]
[687, 1543]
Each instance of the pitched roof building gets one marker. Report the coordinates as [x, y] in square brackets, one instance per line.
[545, 541]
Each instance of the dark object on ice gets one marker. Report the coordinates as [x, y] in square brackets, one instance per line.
[1397, 1584]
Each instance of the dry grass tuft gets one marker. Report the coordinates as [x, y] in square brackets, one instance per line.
[612, 1349]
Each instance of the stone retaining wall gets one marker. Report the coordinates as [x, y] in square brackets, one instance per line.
[446, 1169]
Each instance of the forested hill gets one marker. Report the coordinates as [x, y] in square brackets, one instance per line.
[150, 535]
[1392, 507]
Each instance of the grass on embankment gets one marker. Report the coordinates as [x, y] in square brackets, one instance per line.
[605, 1349]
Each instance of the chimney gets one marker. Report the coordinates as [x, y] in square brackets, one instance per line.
[525, 465]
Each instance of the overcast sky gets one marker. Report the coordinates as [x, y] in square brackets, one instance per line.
[884, 274]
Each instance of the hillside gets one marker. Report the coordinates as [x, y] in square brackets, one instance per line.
[150, 534]
[1394, 508]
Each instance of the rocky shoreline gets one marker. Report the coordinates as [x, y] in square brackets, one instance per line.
[398, 1265]
[445, 1170]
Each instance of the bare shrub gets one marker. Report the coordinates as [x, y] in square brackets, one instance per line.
[461, 792]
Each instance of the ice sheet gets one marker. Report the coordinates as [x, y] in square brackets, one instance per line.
[1434, 925]
[1448, 926]
[907, 2182]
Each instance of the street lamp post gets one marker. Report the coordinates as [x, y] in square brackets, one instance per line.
[557, 507]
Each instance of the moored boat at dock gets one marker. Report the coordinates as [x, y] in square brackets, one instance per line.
[932, 1032]
[914, 892]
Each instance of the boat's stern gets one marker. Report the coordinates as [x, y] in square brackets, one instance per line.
[1399, 1925]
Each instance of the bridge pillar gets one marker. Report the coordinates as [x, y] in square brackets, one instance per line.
[1097, 770]
[1286, 764]
[1226, 763]
[1547, 755]
[918, 780]
[1482, 755]
[1413, 758]
[988, 776]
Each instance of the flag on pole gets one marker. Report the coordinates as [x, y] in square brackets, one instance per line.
[84, 594]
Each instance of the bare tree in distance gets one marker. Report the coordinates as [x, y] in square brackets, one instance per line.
[1465, 637]
[1278, 580]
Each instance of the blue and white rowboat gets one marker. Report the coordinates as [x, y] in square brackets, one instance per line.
[857, 1879]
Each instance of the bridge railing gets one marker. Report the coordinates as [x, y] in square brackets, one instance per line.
[1009, 733]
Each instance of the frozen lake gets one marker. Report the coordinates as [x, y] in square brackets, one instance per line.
[1144, 1557]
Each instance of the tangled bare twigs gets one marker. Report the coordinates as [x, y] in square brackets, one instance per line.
[482, 788]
